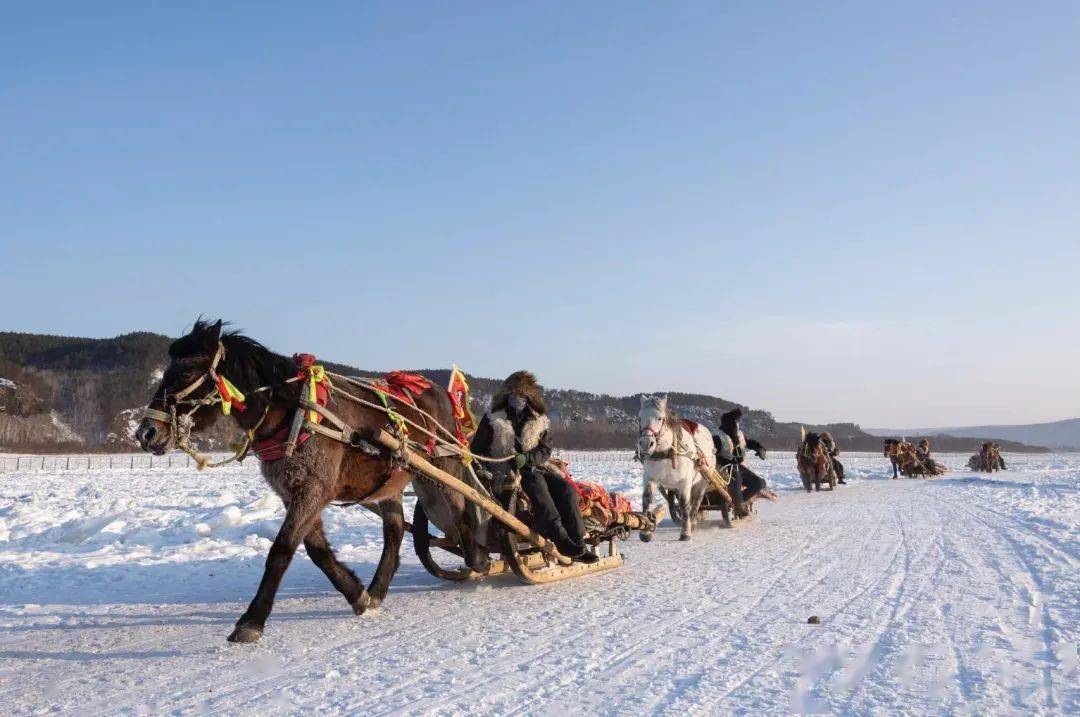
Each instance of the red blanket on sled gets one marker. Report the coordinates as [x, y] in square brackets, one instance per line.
[590, 494]
[594, 493]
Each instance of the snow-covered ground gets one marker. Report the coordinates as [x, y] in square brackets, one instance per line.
[958, 595]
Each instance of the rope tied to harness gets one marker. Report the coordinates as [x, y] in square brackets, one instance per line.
[314, 376]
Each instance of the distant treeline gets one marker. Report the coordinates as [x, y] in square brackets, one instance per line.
[73, 394]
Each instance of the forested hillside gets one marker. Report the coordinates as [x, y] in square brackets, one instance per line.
[61, 393]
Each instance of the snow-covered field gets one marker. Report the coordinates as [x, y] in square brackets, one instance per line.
[959, 595]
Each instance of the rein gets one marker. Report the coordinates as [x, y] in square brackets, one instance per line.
[226, 395]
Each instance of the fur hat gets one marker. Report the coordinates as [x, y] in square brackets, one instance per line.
[729, 421]
[522, 382]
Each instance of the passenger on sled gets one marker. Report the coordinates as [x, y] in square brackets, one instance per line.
[926, 461]
[731, 446]
[517, 425]
[832, 451]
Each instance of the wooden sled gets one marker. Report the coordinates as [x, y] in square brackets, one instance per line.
[527, 554]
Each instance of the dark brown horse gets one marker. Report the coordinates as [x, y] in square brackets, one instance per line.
[320, 471]
[814, 463]
[894, 449]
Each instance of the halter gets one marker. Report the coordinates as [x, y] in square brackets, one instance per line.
[677, 449]
[181, 424]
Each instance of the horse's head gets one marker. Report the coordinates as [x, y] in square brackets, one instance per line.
[184, 399]
[892, 447]
[651, 418]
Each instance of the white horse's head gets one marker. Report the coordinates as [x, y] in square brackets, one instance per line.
[651, 417]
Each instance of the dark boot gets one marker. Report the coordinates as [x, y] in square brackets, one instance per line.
[546, 519]
[586, 556]
[565, 498]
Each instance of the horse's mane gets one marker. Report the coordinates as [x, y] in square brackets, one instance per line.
[247, 363]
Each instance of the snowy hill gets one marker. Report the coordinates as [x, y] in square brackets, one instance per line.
[93, 388]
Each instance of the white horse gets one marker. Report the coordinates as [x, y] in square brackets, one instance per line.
[673, 455]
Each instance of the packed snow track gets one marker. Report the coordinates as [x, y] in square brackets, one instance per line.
[954, 595]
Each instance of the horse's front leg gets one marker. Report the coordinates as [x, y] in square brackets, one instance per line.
[345, 580]
[646, 500]
[300, 517]
[687, 499]
[393, 533]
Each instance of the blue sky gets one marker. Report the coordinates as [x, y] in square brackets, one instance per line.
[834, 211]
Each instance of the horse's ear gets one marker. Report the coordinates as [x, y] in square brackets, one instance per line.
[645, 399]
[663, 400]
[213, 336]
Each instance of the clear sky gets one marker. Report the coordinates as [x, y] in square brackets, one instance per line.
[832, 210]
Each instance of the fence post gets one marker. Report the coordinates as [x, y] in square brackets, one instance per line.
[67, 464]
[151, 460]
[132, 461]
[43, 463]
[110, 462]
[18, 462]
[170, 460]
[88, 463]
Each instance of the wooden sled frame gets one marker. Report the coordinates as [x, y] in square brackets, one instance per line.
[531, 557]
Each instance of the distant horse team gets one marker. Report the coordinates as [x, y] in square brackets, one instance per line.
[912, 461]
[988, 459]
[491, 489]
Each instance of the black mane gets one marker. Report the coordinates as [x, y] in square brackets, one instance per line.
[247, 363]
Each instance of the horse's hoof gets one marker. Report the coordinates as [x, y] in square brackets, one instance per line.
[684, 537]
[645, 537]
[245, 634]
[726, 524]
[363, 603]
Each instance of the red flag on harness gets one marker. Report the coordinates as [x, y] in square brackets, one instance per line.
[465, 421]
[402, 383]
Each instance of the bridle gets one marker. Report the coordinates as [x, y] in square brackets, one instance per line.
[652, 433]
[182, 422]
[673, 453]
[171, 401]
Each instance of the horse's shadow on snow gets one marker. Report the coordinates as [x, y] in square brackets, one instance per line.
[225, 580]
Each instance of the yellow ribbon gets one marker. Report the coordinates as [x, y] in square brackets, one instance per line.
[398, 420]
[316, 375]
[231, 393]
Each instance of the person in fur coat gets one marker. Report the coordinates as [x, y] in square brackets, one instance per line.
[747, 483]
[517, 424]
[833, 451]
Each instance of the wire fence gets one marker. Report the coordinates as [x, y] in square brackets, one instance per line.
[52, 463]
[95, 461]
